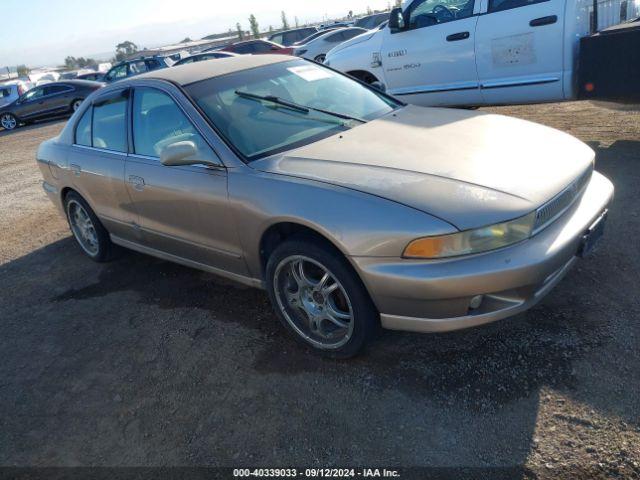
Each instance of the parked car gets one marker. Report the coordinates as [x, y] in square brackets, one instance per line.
[313, 36]
[257, 47]
[317, 48]
[350, 208]
[200, 57]
[137, 66]
[93, 76]
[372, 21]
[466, 52]
[46, 101]
[10, 91]
[289, 37]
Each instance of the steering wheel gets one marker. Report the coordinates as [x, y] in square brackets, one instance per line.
[447, 12]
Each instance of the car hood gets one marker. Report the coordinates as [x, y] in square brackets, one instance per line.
[363, 37]
[470, 169]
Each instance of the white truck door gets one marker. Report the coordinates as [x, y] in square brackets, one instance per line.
[519, 51]
[430, 60]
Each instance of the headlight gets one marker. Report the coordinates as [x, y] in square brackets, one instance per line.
[472, 241]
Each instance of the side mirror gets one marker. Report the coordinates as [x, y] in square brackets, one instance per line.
[182, 153]
[396, 20]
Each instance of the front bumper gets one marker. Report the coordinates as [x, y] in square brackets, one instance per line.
[435, 295]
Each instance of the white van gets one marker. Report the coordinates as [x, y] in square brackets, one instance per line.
[478, 52]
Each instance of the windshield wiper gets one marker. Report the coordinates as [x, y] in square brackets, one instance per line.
[296, 106]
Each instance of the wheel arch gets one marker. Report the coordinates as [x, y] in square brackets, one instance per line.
[283, 230]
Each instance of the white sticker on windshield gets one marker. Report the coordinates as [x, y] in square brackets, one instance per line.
[310, 73]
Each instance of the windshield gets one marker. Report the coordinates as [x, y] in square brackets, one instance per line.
[259, 111]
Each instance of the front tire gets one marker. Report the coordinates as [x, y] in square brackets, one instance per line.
[89, 233]
[319, 298]
[8, 121]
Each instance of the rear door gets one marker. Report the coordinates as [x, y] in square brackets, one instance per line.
[519, 49]
[97, 162]
[431, 61]
[57, 98]
[184, 210]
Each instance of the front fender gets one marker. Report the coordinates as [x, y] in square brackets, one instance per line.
[358, 224]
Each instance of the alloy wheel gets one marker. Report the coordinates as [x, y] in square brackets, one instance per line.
[314, 302]
[83, 228]
[8, 121]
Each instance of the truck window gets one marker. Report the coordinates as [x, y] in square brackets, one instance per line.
[499, 5]
[424, 13]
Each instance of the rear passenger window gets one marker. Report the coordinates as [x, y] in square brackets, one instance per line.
[109, 125]
[158, 122]
[499, 5]
[83, 129]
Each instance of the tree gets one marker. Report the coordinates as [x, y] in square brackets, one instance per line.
[270, 28]
[297, 22]
[285, 22]
[253, 25]
[72, 63]
[22, 70]
[369, 11]
[239, 30]
[124, 49]
[186, 40]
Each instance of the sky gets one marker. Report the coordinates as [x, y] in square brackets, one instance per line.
[44, 32]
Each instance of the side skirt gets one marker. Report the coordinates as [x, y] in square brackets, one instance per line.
[248, 281]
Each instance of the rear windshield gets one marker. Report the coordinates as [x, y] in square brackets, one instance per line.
[259, 127]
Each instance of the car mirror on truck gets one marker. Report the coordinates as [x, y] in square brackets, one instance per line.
[396, 19]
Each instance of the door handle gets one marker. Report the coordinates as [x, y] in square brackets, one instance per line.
[76, 169]
[137, 182]
[538, 22]
[457, 36]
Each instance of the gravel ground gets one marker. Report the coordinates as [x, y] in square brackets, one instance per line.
[144, 363]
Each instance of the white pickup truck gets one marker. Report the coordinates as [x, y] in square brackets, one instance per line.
[479, 52]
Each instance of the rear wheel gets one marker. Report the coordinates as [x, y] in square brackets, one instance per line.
[75, 105]
[92, 237]
[8, 121]
[320, 58]
[319, 298]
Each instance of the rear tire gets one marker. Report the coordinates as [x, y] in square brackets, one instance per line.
[319, 298]
[89, 233]
[75, 105]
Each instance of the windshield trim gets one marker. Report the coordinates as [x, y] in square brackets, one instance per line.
[396, 104]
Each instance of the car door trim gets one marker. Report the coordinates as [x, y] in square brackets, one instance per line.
[518, 83]
[438, 88]
[249, 281]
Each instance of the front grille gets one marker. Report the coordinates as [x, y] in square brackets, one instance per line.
[555, 207]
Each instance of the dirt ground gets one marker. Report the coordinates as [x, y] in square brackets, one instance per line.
[144, 363]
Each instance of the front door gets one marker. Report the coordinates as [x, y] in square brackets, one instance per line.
[431, 60]
[184, 210]
[519, 49]
[31, 103]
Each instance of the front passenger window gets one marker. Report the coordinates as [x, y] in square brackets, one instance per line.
[158, 122]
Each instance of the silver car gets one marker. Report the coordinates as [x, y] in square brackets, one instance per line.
[353, 210]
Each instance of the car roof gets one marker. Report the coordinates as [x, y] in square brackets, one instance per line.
[198, 71]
